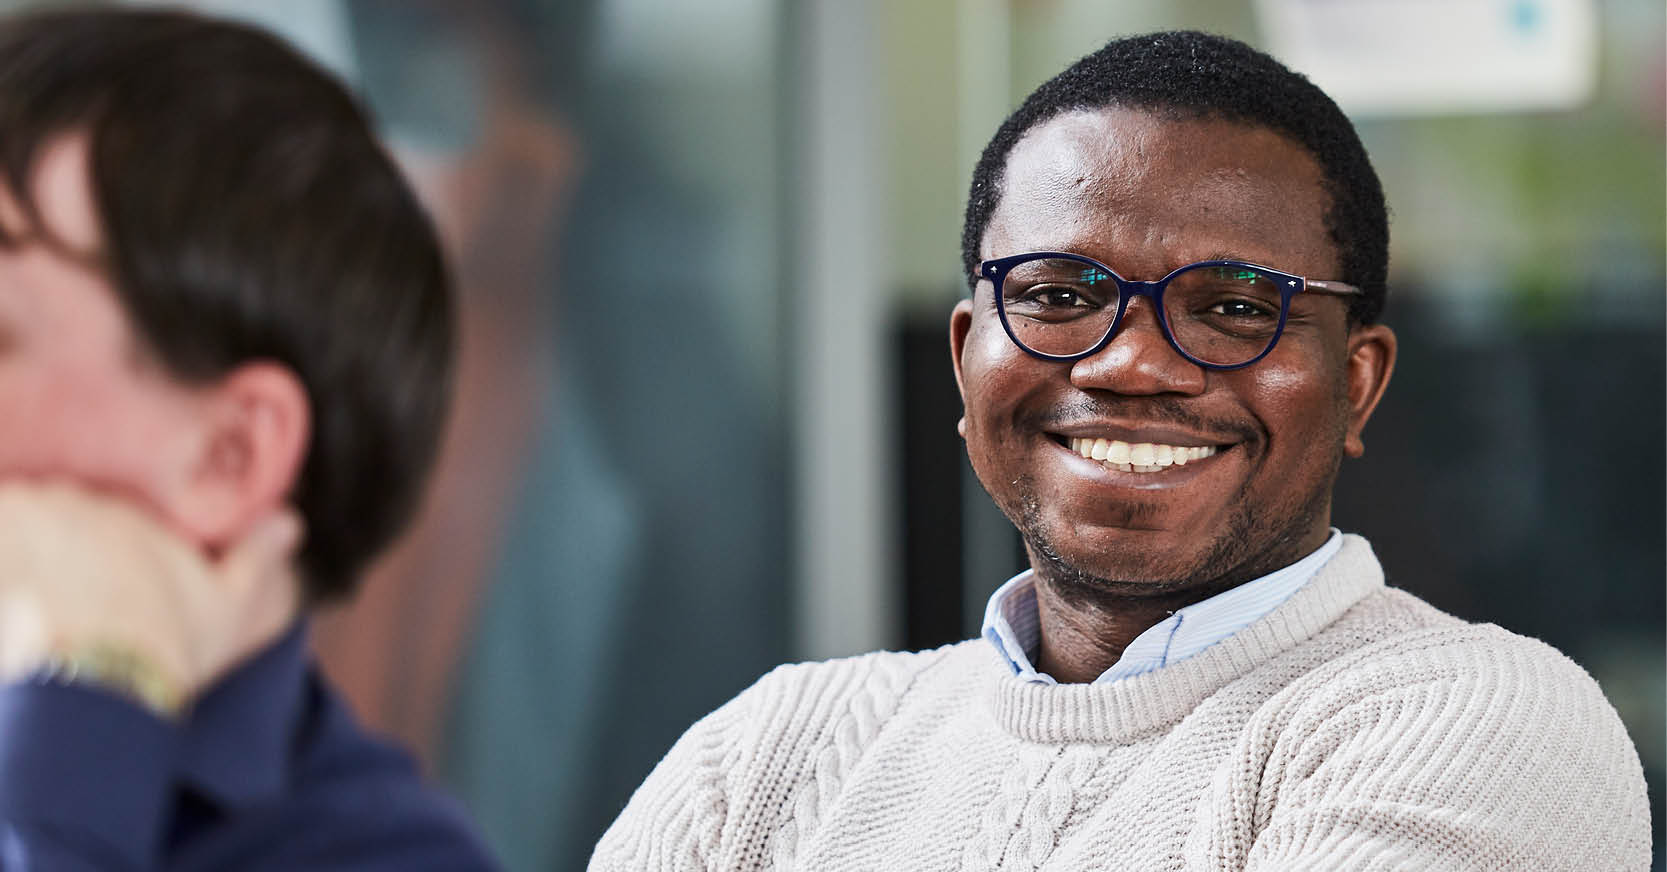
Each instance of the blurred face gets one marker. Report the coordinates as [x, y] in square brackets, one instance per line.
[1260, 446]
[77, 397]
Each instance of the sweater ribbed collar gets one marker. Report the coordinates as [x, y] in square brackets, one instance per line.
[1125, 710]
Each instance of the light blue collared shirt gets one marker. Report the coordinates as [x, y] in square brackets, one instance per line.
[1012, 625]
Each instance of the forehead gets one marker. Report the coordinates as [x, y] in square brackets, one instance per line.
[51, 281]
[1148, 191]
[61, 192]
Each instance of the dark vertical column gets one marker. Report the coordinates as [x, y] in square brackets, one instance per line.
[931, 458]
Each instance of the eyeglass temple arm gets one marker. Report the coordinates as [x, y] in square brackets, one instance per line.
[1342, 289]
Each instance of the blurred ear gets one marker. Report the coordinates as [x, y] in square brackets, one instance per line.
[960, 323]
[1371, 362]
[254, 426]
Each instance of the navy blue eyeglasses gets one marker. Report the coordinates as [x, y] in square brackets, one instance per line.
[1219, 314]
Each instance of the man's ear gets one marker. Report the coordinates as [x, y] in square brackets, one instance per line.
[254, 430]
[960, 323]
[1371, 362]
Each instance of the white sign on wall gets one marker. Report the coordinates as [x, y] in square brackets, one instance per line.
[1423, 57]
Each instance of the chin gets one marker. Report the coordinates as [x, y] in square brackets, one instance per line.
[1126, 561]
[1135, 548]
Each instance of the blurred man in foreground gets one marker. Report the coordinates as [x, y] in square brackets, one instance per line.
[1177, 251]
[220, 307]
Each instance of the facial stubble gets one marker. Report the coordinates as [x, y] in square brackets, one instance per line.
[1248, 545]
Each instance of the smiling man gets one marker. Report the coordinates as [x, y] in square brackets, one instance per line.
[223, 317]
[1177, 252]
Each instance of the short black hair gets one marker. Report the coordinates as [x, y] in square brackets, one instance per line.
[249, 213]
[1192, 74]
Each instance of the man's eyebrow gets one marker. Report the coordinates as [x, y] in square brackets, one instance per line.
[1227, 255]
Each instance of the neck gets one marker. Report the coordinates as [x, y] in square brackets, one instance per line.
[1086, 624]
[1082, 636]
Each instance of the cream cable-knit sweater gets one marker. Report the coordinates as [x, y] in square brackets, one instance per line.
[1354, 727]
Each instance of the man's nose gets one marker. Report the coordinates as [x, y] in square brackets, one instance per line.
[1139, 359]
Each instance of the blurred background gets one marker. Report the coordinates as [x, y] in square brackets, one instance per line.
[707, 253]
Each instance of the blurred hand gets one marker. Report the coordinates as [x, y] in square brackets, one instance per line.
[84, 572]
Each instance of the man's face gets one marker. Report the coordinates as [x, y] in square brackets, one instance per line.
[78, 400]
[1145, 195]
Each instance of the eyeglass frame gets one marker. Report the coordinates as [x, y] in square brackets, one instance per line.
[996, 271]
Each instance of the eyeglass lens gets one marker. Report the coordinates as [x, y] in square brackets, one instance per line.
[1220, 315]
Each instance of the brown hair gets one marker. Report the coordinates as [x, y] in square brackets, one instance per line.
[248, 213]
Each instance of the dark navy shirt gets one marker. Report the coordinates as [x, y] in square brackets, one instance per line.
[268, 772]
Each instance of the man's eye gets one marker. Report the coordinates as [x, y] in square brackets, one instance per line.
[1240, 308]
[1055, 297]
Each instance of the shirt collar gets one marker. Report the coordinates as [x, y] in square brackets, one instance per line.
[238, 737]
[1012, 625]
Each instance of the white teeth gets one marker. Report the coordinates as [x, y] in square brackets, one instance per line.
[1139, 456]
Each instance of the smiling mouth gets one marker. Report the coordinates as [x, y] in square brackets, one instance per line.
[1139, 456]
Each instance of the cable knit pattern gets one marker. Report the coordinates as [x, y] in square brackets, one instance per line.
[1354, 727]
[883, 683]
